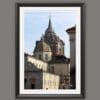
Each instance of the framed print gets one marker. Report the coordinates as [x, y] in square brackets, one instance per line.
[50, 50]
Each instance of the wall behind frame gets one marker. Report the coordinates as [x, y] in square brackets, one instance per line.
[7, 47]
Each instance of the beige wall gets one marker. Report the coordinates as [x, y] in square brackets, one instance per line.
[61, 69]
[36, 54]
[38, 63]
[50, 81]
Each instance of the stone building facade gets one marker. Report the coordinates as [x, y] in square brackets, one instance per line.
[37, 75]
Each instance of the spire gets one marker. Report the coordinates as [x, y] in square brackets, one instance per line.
[50, 29]
[50, 24]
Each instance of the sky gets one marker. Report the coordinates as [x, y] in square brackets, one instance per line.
[35, 24]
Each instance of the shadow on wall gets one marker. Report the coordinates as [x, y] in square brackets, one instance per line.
[33, 76]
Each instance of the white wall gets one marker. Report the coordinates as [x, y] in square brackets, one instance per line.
[38, 63]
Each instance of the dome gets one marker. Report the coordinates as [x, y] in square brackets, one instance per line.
[50, 36]
[41, 46]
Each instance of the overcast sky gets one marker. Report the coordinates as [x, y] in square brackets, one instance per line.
[35, 24]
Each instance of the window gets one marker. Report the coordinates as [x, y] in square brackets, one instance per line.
[39, 56]
[32, 86]
[46, 57]
[52, 69]
[59, 48]
[25, 81]
[32, 83]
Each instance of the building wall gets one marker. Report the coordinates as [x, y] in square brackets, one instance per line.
[43, 55]
[39, 79]
[38, 63]
[53, 76]
[72, 56]
[61, 69]
[72, 50]
[33, 80]
[50, 81]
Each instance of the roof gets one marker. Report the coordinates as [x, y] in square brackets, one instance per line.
[41, 46]
[50, 36]
[71, 30]
[26, 54]
[60, 59]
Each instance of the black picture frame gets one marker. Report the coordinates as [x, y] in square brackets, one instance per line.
[17, 50]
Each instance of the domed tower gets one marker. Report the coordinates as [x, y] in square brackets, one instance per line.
[56, 44]
[42, 50]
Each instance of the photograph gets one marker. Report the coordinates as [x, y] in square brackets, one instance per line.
[49, 43]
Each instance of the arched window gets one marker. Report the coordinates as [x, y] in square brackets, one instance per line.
[59, 48]
[52, 69]
[32, 83]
